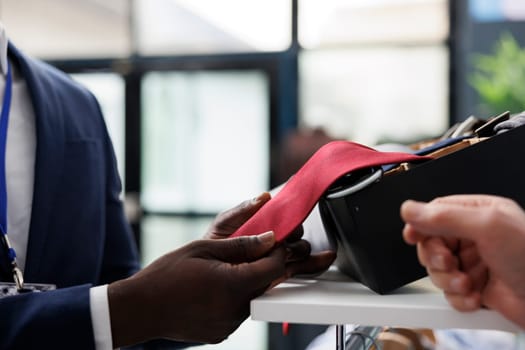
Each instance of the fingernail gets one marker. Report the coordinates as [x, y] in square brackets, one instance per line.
[412, 209]
[438, 262]
[266, 237]
[455, 284]
[470, 303]
[260, 197]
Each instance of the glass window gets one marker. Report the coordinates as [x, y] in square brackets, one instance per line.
[109, 90]
[374, 71]
[497, 10]
[68, 29]
[206, 139]
[163, 234]
[210, 26]
[375, 95]
[332, 23]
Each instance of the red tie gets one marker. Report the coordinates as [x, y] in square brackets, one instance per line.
[288, 209]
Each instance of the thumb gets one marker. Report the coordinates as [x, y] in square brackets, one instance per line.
[244, 248]
[239, 214]
[442, 218]
[229, 221]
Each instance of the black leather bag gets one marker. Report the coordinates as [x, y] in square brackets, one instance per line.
[366, 227]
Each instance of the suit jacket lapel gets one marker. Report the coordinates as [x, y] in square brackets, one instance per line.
[49, 157]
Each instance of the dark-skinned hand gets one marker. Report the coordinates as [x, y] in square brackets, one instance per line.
[299, 257]
[198, 293]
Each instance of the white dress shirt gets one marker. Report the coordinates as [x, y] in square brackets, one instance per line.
[20, 167]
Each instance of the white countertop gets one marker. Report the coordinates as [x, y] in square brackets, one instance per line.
[334, 299]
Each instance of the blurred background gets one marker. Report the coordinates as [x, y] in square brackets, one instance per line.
[210, 102]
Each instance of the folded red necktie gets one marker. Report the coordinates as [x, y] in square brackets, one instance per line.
[288, 209]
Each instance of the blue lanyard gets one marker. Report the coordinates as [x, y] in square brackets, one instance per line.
[4, 121]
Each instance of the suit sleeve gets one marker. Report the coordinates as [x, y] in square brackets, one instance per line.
[38, 320]
[61, 319]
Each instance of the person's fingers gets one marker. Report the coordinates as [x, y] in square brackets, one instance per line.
[269, 271]
[478, 274]
[458, 210]
[227, 222]
[295, 235]
[454, 282]
[464, 303]
[442, 218]
[443, 267]
[260, 274]
[434, 254]
[468, 255]
[298, 250]
[239, 249]
[316, 263]
[411, 236]
[470, 200]
[277, 282]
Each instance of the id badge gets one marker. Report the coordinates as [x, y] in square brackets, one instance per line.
[8, 289]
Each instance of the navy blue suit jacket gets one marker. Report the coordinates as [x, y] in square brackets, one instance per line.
[79, 236]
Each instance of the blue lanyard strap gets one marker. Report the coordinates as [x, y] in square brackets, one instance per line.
[4, 121]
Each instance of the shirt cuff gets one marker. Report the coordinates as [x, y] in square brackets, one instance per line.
[99, 305]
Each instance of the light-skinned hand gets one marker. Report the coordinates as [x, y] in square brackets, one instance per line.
[473, 247]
